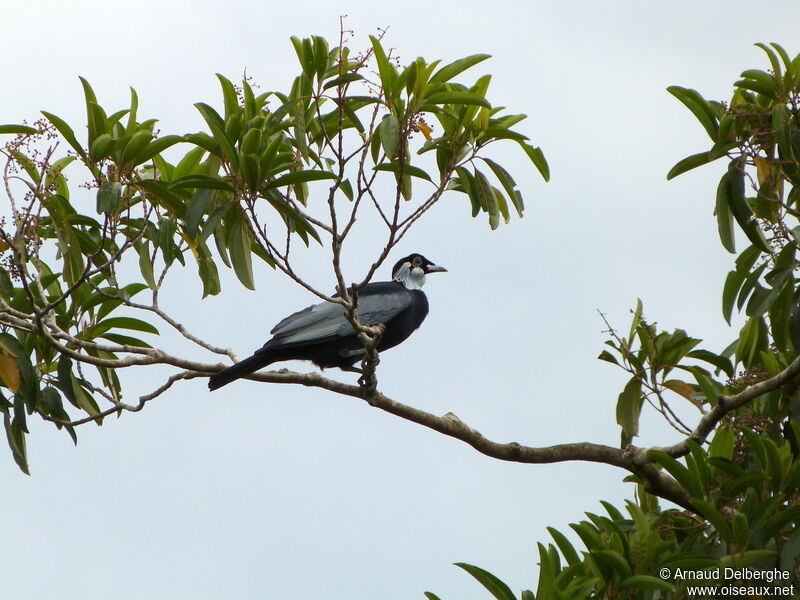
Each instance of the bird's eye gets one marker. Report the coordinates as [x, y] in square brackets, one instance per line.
[417, 261]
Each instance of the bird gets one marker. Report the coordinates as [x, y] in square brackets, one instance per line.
[322, 334]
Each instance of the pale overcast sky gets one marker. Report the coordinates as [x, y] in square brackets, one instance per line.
[260, 491]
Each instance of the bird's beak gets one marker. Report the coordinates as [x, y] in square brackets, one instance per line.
[436, 269]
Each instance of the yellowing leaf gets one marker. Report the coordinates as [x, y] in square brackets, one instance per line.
[9, 372]
[191, 244]
[684, 389]
[425, 129]
[762, 169]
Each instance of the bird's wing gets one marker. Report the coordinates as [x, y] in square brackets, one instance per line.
[376, 305]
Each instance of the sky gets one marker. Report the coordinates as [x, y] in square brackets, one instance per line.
[267, 491]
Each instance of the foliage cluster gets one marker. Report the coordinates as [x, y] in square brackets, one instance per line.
[743, 487]
[276, 168]
[270, 169]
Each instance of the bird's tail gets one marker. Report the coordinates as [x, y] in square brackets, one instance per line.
[243, 368]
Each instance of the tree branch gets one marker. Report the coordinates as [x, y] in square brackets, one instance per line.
[631, 459]
[727, 404]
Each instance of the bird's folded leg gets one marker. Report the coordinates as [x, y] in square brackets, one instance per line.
[375, 361]
[368, 381]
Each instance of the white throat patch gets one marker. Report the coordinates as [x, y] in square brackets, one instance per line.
[411, 278]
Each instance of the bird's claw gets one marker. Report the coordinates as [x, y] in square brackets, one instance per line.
[375, 362]
[368, 382]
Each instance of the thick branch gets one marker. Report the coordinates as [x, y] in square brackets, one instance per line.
[727, 404]
[630, 459]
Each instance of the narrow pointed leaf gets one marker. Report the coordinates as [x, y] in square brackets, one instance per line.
[18, 129]
[496, 587]
[447, 72]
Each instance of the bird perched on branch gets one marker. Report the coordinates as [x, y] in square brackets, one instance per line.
[322, 334]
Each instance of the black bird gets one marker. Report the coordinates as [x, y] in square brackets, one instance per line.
[322, 334]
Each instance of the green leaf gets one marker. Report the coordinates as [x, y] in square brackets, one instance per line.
[781, 125]
[773, 59]
[65, 378]
[613, 561]
[249, 167]
[230, 99]
[447, 72]
[608, 357]
[387, 130]
[721, 362]
[196, 209]
[502, 205]
[752, 338]
[724, 217]
[699, 107]
[698, 463]
[189, 163]
[486, 198]
[682, 475]
[128, 323]
[6, 286]
[496, 587]
[97, 122]
[29, 166]
[146, 265]
[710, 388]
[201, 182]
[299, 177]
[757, 444]
[457, 98]
[407, 170]
[733, 283]
[713, 516]
[794, 321]
[385, 69]
[85, 402]
[636, 321]
[343, 80]
[569, 552]
[125, 340]
[647, 582]
[137, 142]
[689, 163]
[207, 270]
[774, 463]
[101, 147]
[217, 126]
[759, 81]
[156, 147]
[239, 240]
[537, 158]
[347, 188]
[722, 443]
[15, 434]
[466, 184]
[108, 197]
[67, 133]
[18, 129]
[629, 407]
[166, 239]
[734, 192]
[508, 184]
[132, 112]
[204, 141]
